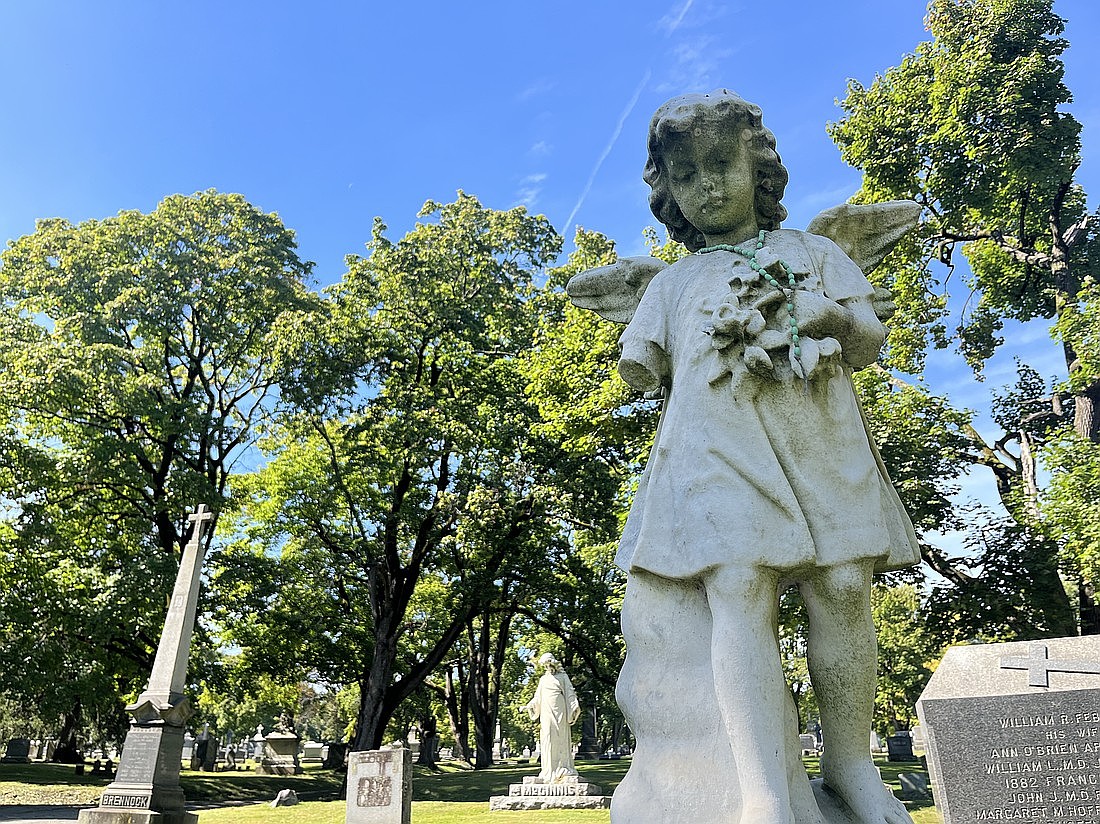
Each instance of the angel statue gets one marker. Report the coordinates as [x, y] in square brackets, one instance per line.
[762, 476]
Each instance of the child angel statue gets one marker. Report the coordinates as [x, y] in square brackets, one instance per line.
[762, 476]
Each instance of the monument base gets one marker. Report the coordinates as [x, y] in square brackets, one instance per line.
[266, 767]
[533, 794]
[106, 815]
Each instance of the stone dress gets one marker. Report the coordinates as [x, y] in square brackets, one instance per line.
[750, 469]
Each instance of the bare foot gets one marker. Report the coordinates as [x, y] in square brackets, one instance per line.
[861, 787]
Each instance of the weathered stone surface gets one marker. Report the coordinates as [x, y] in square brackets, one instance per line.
[146, 787]
[762, 461]
[1013, 732]
[280, 755]
[550, 802]
[380, 786]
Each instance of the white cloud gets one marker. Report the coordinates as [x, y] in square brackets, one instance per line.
[671, 21]
[529, 190]
[697, 61]
[540, 148]
[536, 89]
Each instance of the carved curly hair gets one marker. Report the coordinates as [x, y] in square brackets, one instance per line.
[679, 115]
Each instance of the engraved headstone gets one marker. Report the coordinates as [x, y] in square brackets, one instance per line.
[18, 751]
[146, 788]
[380, 786]
[311, 752]
[899, 747]
[572, 792]
[1013, 732]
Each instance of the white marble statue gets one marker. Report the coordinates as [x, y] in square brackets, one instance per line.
[762, 476]
[555, 707]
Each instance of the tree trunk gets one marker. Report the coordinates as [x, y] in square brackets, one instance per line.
[374, 713]
[68, 747]
[457, 712]
[1090, 610]
[480, 708]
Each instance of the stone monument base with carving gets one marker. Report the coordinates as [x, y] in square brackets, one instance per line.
[280, 755]
[380, 786]
[574, 793]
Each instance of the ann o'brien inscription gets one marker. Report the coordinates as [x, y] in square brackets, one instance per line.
[1032, 757]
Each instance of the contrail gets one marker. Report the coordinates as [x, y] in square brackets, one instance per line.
[607, 150]
[680, 18]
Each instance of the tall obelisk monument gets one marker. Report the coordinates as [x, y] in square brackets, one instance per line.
[146, 789]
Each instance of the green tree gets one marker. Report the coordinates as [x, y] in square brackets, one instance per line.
[413, 479]
[135, 367]
[971, 126]
[906, 651]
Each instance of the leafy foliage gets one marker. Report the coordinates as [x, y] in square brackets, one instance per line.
[134, 370]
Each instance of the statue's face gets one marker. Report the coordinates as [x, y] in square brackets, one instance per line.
[711, 176]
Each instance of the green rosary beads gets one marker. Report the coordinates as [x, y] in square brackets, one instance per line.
[788, 290]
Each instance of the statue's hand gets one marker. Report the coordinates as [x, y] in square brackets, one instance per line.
[817, 316]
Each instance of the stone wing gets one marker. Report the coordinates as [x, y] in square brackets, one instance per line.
[866, 233]
[613, 291]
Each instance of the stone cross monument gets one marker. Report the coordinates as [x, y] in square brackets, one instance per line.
[146, 789]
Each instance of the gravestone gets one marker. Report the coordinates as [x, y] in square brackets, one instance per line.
[146, 788]
[1013, 732]
[809, 743]
[899, 747]
[210, 755]
[379, 786]
[188, 750]
[311, 752]
[569, 793]
[590, 745]
[18, 751]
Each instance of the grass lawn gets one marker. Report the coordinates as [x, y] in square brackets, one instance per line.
[451, 795]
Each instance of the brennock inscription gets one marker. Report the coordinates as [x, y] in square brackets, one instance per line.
[1014, 732]
[133, 802]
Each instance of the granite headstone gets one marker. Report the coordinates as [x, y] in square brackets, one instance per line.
[1013, 732]
[18, 751]
[380, 786]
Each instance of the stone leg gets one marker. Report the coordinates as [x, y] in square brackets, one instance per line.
[682, 771]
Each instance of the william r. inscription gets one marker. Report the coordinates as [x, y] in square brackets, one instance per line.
[1031, 757]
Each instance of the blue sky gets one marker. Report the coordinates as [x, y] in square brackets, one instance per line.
[330, 113]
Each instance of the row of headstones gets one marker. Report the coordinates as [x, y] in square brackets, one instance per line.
[25, 750]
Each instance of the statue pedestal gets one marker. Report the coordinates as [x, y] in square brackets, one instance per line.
[280, 755]
[574, 793]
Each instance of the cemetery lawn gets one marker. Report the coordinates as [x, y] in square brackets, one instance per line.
[450, 795]
[58, 784]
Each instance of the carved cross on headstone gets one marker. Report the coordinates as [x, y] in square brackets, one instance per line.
[1039, 665]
